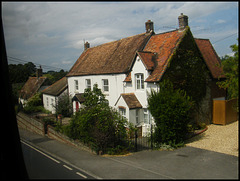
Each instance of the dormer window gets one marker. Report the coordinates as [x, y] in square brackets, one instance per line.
[139, 81]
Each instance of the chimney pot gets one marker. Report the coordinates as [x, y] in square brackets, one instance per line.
[149, 26]
[39, 72]
[183, 21]
[86, 45]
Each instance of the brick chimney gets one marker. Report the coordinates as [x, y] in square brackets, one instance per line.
[39, 72]
[86, 45]
[183, 21]
[149, 26]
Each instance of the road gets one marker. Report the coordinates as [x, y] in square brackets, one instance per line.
[43, 166]
[183, 163]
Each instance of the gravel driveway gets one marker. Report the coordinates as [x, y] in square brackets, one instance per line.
[219, 138]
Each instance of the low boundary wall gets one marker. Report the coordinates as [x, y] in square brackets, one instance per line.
[37, 126]
[64, 139]
[30, 123]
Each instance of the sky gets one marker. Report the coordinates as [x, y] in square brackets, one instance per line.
[52, 34]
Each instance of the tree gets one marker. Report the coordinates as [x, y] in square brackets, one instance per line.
[171, 110]
[231, 72]
[64, 105]
[98, 124]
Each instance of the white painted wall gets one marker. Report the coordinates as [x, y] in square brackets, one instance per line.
[49, 102]
[115, 85]
[139, 67]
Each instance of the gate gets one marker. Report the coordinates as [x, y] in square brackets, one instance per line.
[139, 143]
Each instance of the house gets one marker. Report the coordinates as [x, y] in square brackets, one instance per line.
[32, 86]
[127, 69]
[53, 92]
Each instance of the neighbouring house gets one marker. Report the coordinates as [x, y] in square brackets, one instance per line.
[53, 92]
[127, 69]
[32, 86]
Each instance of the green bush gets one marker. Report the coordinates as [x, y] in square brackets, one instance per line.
[171, 110]
[97, 124]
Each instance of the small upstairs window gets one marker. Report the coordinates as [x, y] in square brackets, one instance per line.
[139, 81]
[88, 83]
[105, 85]
[76, 84]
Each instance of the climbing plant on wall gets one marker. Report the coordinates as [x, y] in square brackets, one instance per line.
[187, 69]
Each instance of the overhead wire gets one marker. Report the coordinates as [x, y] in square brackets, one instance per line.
[14, 59]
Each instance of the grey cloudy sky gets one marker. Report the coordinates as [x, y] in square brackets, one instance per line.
[52, 33]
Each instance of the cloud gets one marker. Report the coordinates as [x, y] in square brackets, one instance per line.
[220, 21]
[52, 31]
[65, 62]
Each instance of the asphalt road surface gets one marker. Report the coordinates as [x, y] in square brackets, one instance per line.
[40, 165]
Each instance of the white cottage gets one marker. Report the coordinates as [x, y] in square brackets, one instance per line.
[127, 69]
[53, 92]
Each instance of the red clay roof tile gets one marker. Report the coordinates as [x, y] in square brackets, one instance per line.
[211, 58]
[108, 58]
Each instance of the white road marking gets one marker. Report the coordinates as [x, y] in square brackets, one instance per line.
[69, 168]
[65, 161]
[40, 152]
[81, 175]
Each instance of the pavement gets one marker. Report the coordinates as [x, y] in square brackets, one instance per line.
[183, 163]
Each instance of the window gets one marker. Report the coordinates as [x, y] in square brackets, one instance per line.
[139, 81]
[88, 83]
[52, 102]
[122, 112]
[137, 116]
[76, 84]
[146, 117]
[47, 101]
[105, 85]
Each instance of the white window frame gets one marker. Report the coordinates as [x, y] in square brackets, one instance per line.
[88, 83]
[47, 101]
[137, 116]
[52, 101]
[105, 87]
[122, 111]
[146, 116]
[139, 81]
[76, 85]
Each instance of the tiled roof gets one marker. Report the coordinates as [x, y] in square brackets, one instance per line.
[131, 100]
[31, 87]
[79, 97]
[108, 58]
[163, 45]
[128, 78]
[57, 88]
[148, 59]
[211, 58]
[155, 50]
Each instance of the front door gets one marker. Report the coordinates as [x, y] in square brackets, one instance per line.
[77, 106]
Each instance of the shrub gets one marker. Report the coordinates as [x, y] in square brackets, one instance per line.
[64, 105]
[171, 110]
[34, 104]
[97, 124]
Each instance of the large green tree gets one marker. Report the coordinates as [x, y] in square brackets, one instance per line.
[231, 71]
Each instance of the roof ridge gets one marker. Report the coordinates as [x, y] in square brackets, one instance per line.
[116, 40]
[165, 32]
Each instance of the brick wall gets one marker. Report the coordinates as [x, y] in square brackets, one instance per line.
[32, 124]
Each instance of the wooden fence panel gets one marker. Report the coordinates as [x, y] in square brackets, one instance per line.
[224, 111]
